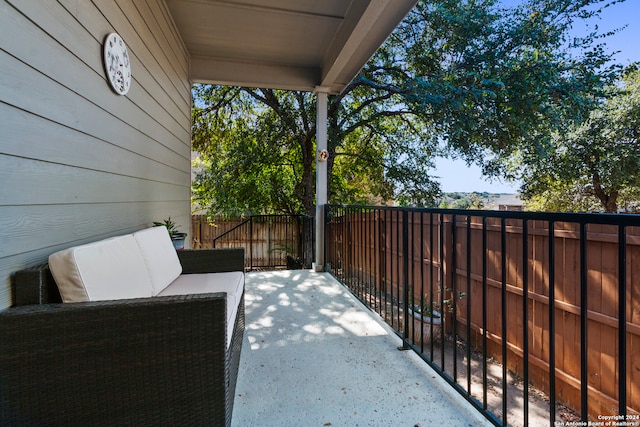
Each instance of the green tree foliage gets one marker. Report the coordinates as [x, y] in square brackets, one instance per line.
[464, 201]
[595, 165]
[257, 149]
[496, 81]
[254, 159]
[481, 81]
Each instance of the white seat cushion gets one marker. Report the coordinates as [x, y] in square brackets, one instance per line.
[230, 282]
[104, 270]
[159, 256]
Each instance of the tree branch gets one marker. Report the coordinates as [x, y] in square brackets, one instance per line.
[363, 105]
[371, 119]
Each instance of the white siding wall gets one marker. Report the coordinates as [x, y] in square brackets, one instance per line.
[77, 162]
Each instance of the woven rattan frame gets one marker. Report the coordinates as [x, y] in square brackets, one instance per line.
[159, 361]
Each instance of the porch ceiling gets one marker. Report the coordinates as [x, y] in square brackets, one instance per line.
[284, 44]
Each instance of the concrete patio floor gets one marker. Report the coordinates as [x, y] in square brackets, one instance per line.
[313, 355]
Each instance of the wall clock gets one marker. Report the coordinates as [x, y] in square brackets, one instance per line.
[323, 155]
[116, 63]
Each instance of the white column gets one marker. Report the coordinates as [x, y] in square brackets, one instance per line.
[321, 173]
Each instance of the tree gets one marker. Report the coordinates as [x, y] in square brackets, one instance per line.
[479, 80]
[594, 165]
[257, 150]
[252, 155]
[500, 81]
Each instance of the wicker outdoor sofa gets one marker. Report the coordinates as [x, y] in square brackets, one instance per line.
[156, 361]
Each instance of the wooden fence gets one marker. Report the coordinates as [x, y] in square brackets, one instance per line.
[601, 299]
[486, 260]
[270, 241]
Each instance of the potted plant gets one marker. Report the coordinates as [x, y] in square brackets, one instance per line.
[292, 263]
[177, 237]
[426, 319]
[428, 315]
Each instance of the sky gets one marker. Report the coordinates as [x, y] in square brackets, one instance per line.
[455, 176]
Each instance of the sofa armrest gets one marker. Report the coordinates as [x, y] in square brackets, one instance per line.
[35, 285]
[150, 361]
[196, 261]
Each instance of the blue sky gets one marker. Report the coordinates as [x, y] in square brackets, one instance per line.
[455, 176]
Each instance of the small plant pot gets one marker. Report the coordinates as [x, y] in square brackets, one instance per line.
[178, 240]
[424, 325]
[293, 263]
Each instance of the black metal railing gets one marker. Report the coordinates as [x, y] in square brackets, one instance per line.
[272, 241]
[538, 310]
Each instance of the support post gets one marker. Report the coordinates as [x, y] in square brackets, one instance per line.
[321, 173]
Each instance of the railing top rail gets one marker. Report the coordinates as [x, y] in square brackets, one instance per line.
[248, 217]
[232, 229]
[575, 217]
[280, 216]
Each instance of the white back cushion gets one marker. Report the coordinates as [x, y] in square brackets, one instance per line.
[104, 270]
[159, 256]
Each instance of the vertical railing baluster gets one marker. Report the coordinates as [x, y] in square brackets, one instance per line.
[484, 313]
[622, 320]
[348, 238]
[421, 276]
[503, 262]
[441, 288]
[395, 300]
[345, 247]
[354, 249]
[584, 372]
[412, 269]
[369, 269]
[374, 253]
[383, 258]
[269, 242]
[454, 292]
[525, 314]
[343, 237]
[289, 239]
[431, 277]
[360, 256]
[468, 305]
[373, 240]
[386, 240]
[405, 276]
[552, 324]
[363, 254]
[331, 239]
[379, 256]
[251, 242]
[338, 221]
[387, 271]
[399, 265]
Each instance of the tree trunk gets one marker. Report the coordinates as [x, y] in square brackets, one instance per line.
[609, 201]
[305, 189]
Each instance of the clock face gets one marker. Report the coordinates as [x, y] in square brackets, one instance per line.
[116, 63]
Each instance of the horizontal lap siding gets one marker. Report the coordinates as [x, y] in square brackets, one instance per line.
[78, 162]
